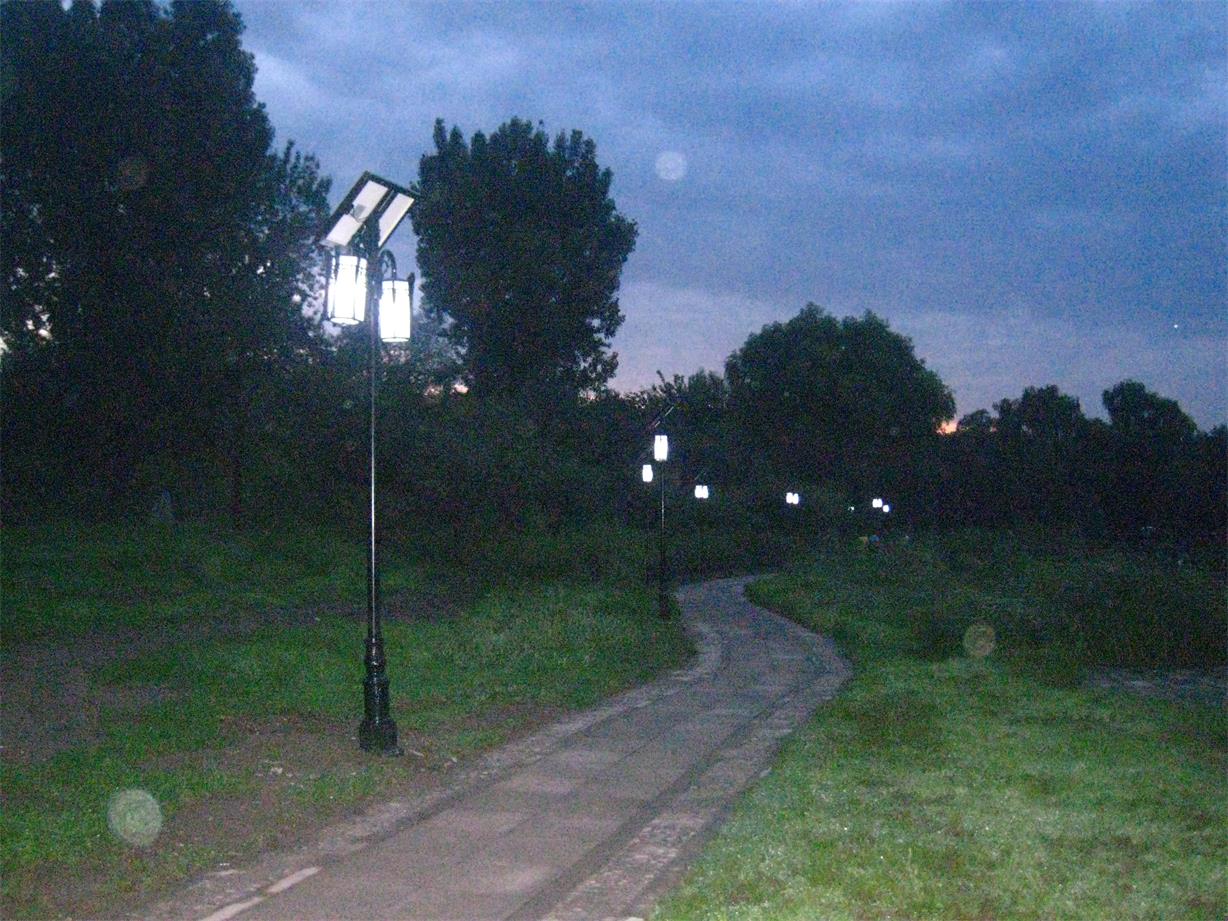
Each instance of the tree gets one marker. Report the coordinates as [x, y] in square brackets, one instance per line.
[1050, 470]
[1137, 414]
[520, 248]
[157, 250]
[1155, 469]
[1211, 520]
[972, 473]
[845, 402]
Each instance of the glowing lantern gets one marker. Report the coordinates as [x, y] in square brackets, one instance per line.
[660, 448]
[396, 310]
[347, 290]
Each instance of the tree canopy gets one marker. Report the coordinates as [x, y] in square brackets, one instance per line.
[157, 249]
[841, 401]
[520, 248]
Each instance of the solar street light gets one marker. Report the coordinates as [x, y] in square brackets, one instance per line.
[362, 286]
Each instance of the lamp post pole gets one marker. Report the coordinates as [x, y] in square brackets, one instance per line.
[663, 562]
[660, 454]
[378, 731]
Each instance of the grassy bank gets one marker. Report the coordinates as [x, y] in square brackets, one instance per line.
[222, 674]
[943, 785]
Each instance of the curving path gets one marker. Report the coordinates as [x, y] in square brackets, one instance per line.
[593, 817]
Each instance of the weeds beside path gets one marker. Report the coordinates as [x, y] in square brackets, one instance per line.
[944, 785]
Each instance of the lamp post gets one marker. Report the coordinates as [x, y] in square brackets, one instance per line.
[660, 454]
[363, 285]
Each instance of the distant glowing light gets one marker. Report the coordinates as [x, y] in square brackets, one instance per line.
[792, 498]
[660, 448]
[877, 503]
[701, 491]
[671, 165]
[646, 473]
[886, 508]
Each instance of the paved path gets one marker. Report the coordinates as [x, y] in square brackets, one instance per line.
[592, 818]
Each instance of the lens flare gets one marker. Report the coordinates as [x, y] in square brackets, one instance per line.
[979, 640]
[132, 173]
[134, 817]
[671, 165]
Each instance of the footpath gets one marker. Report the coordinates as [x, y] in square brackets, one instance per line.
[594, 817]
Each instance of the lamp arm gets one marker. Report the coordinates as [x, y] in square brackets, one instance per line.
[387, 265]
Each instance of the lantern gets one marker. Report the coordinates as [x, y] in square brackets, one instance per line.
[660, 448]
[395, 310]
[346, 298]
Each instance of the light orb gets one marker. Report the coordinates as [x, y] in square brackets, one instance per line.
[134, 817]
[979, 640]
[671, 165]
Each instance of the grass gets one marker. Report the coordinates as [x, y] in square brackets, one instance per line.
[257, 724]
[940, 785]
[66, 580]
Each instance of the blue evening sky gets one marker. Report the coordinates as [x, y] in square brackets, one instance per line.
[1035, 193]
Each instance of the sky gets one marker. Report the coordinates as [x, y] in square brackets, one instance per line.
[1033, 193]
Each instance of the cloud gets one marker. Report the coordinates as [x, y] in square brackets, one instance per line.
[287, 89]
[681, 330]
[987, 357]
[983, 358]
[941, 164]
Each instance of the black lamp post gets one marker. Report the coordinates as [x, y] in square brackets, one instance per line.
[660, 454]
[363, 284]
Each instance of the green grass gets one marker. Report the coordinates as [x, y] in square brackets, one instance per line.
[65, 580]
[942, 786]
[505, 650]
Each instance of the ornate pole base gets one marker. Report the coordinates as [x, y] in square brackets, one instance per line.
[377, 732]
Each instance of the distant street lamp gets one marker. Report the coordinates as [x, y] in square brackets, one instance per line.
[877, 503]
[660, 453]
[363, 286]
[886, 508]
[701, 491]
[792, 498]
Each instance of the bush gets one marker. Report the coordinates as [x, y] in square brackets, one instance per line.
[1106, 606]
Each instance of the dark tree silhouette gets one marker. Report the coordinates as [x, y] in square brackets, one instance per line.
[157, 250]
[520, 248]
[1156, 482]
[1049, 470]
[845, 402]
